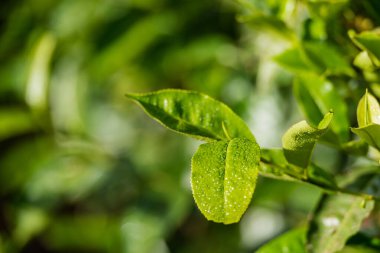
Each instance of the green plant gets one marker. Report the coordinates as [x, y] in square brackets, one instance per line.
[225, 168]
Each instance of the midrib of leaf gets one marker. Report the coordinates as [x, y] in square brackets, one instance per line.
[224, 180]
[345, 220]
[179, 120]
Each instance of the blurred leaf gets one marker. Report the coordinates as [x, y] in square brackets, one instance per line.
[293, 60]
[326, 9]
[223, 178]
[142, 232]
[336, 219]
[269, 24]
[84, 233]
[357, 249]
[299, 141]
[291, 241]
[36, 94]
[321, 97]
[363, 61]
[193, 114]
[369, 41]
[15, 121]
[314, 57]
[356, 147]
[327, 58]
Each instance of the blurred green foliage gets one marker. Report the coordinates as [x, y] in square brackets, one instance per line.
[81, 170]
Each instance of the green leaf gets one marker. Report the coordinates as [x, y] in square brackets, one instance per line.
[293, 241]
[299, 141]
[368, 111]
[337, 218]
[368, 114]
[370, 133]
[321, 96]
[369, 41]
[223, 178]
[194, 114]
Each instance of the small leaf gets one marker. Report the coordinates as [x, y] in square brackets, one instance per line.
[293, 241]
[368, 111]
[368, 114]
[299, 141]
[223, 178]
[337, 218]
[194, 114]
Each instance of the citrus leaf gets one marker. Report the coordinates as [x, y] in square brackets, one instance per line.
[368, 111]
[223, 178]
[337, 218]
[368, 114]
[299, 141]
[194, 114]
[291, 241]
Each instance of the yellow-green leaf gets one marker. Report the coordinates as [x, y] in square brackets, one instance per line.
[194, 114]
[368, 114]
[299, 141]
[223, 178]
[368, 111]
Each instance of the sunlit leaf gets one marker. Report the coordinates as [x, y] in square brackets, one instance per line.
[299, 141]
[292, 241]
[223, 178]
[368, 111]
[337, 218]
[368, 114]
[193, 114]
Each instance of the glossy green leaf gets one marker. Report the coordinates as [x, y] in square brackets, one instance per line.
[337, 218]
[299, 141]
[321, 96]
[194, 114]
[292, 241]
[223, 178]
[369, 41]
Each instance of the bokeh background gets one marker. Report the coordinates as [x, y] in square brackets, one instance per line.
[83, 169]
